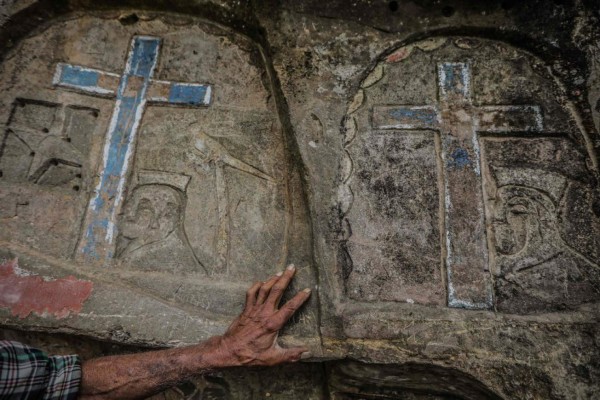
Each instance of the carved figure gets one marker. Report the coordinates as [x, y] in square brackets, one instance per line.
[460, 121]
[211, 152]
[35, 149]
[136, 87]
[538, 270]
[151, 232]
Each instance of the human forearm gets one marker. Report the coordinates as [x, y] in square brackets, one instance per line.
[140, 375]
[250, 340]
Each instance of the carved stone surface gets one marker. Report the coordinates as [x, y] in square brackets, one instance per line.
[158, 157]
[45, 166]
[413, 177]
[542, 262]
[411, 381]
[431, 168]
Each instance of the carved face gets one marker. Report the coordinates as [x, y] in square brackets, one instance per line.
[519, 214]
[510, 223]
[151, 213]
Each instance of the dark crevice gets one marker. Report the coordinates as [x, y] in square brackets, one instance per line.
[129, 19]
[346, 379]
[295, 161]
[448, 11]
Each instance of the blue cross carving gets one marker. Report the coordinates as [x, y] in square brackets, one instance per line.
[459, 122]
[132, 90]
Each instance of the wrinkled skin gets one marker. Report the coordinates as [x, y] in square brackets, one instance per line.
[250, 340]
[252, 337]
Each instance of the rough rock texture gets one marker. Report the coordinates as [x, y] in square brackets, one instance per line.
[430, 167]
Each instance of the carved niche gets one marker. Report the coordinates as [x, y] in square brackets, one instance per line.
[458, 182]
[152, 149]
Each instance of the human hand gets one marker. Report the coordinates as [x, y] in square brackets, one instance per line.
[250, 340]
[252, 337]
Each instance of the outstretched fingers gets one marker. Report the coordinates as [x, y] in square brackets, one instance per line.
[252, 337]
[280, 286]
[279, 319]
[251, 296]
[265, 288]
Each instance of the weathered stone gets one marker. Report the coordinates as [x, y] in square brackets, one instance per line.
[431, 169]
[537, 268]
[173, 186]
[412, 381]
[471, 103]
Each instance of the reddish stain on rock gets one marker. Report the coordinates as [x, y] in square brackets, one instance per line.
[23, 293]
[399, 55]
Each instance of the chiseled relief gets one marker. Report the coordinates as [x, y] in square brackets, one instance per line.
[433, 210]
[155, 152]
[542, 260]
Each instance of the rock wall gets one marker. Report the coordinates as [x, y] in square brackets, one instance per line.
[430, 168]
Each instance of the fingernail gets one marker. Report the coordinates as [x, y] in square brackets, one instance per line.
[307, 290]
[291, 267]
[279, 273]
[305, 355]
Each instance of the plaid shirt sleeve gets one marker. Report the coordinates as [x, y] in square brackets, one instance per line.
[28, 373]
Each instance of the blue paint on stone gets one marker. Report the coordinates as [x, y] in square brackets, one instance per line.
[124, 125]
[144, 56]
[187, 94]
[425, 116]
[121, 138]
[90, 247]
[76, 76]
[449, 83]
[459, 159]
[96, 241]
[455, 78]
